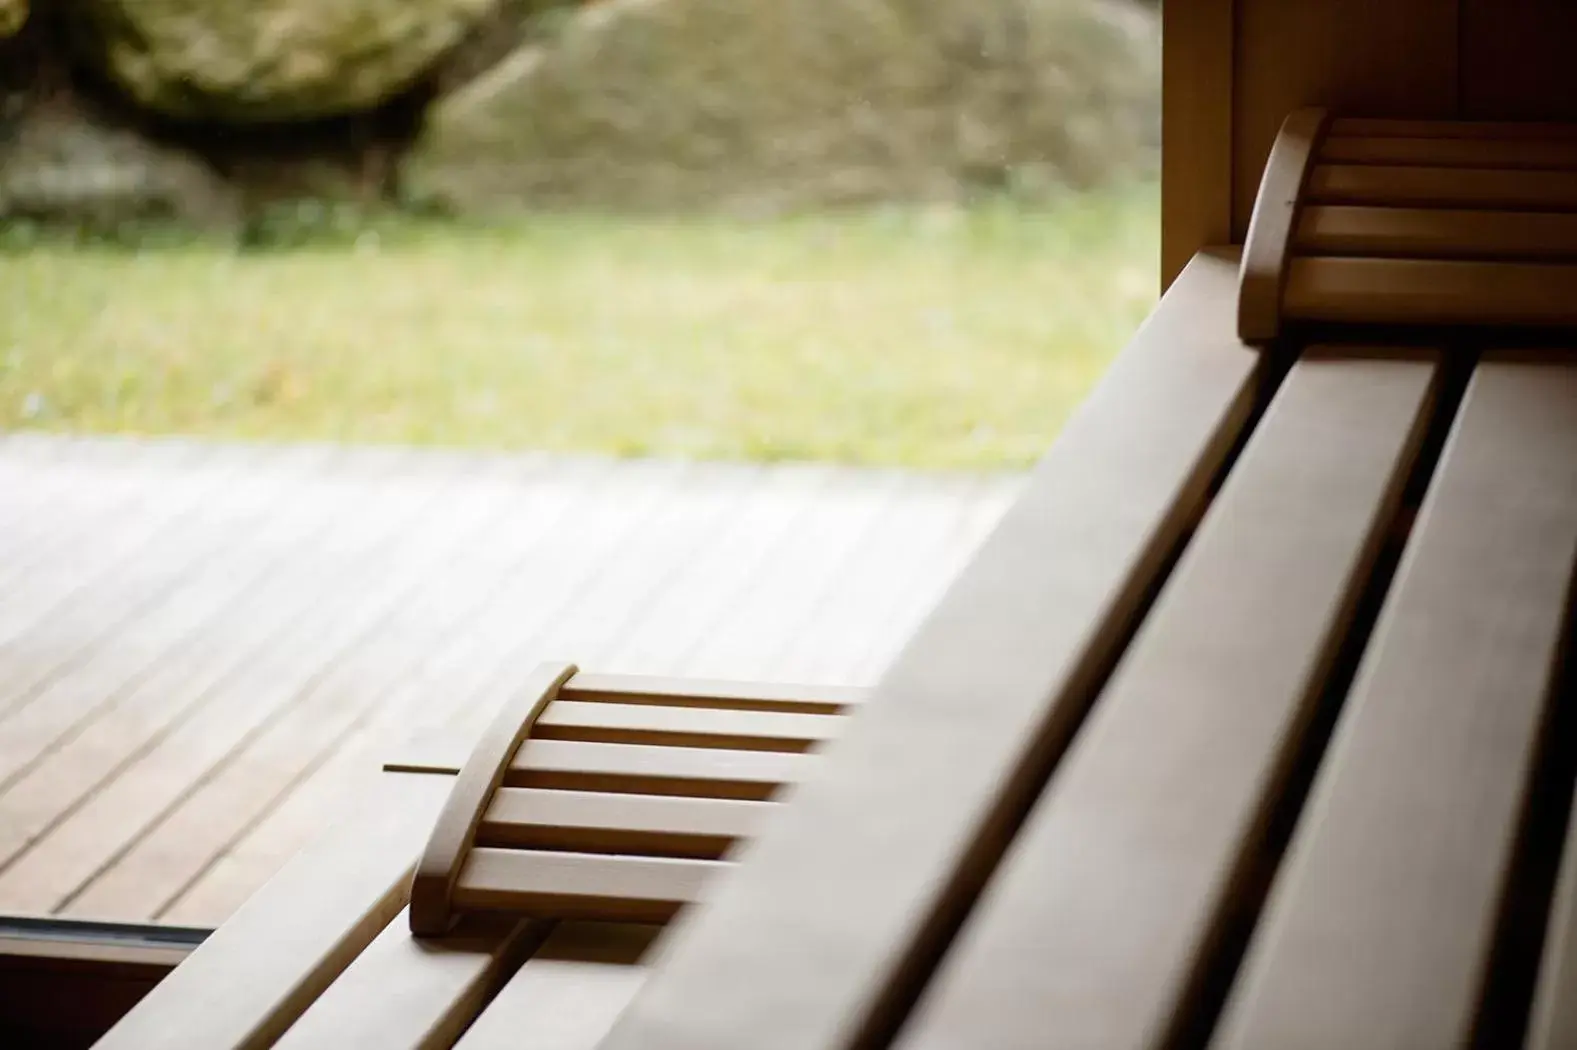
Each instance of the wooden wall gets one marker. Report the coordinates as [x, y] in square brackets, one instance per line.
[1234, 69]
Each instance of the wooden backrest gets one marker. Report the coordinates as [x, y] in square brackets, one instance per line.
[1234, 69]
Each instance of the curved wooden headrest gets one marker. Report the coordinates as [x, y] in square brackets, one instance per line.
[1412, 222]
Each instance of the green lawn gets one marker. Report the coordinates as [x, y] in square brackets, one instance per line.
[934, 338]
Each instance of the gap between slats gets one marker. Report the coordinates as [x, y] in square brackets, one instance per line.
[1526, 236]
[983, 979]
[593, 822]
[1499, 153]
[1392, 891]
[1491, 189]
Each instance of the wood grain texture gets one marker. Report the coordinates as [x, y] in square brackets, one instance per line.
[642, 769]
[442, 858]
[1534, 154]
[1517, 60]
[1397, 59]
[616, 723]
[592, 822]
[1388, 897]
[1266, 250]
[409, 993]
[567, 995]
[1553, 1025]
[1108, 902]
[178, 757]
[586, 886]
[1430, 291]
[1435, 233]
[1381, 127]
[828, 925]
[1196, 128]
[1483, 188]
[701, 692]
[261, 970]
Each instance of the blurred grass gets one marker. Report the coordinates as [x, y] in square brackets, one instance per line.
[907, 337]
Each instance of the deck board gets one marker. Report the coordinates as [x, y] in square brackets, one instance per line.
[203, 648]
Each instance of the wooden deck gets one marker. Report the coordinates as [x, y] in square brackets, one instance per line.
[203, 646]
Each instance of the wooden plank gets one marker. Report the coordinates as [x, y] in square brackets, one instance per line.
[259, 971]
[593, 822]
[1397, 59]
[1388, 897]
[1553, 1025]
[1381, 127]
[1516, 60]
[803, 571]
[893, 573]
[1110, 898]
[1431, 291]
[259, 851]
[645, 770]
[143, 649]
[567, 995]
[701, 692]
[168, 496]
[573, 564]
[826, 928]
[380, 680]
[908, 610]
[1401, 187]
[1196, 125]
[156, 762]
[1558, 154]
[693, 509]
[53, 504]
[625, 768]
[613, 723]
[721, 579]
[591, 886]
[1266, 250]
[70, 613]
[404, 992]
[1437, 233]
[55, 755]
[439, 752]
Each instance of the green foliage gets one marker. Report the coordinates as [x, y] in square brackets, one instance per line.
[915, 336]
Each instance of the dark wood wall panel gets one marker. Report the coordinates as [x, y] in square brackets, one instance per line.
[1396, 58]
[1519, 59]
[1196, 152]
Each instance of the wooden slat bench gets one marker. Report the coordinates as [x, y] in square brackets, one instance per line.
[1249, 727]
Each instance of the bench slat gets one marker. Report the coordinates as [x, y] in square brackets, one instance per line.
[595, 822]
[619, 723]
[581, 885]
[405, 993]
[259, 971]
[647, 770]
[1453, 129]
[835, 913]
[1388, 898]
[1535, 153]
[1442, 187]
[1107, 903]
[1431, 291]
[688, 692]
[1335, 229]
[567, 995]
